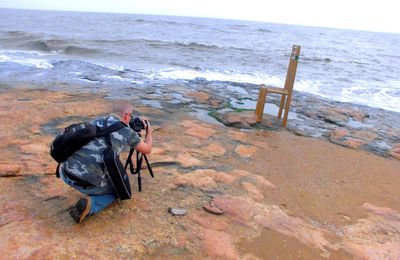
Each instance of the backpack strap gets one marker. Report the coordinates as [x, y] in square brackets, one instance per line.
[101, 131]
[104, 131]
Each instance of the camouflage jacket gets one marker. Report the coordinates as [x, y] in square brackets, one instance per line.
[86, 163]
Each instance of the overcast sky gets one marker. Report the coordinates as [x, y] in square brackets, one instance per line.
[370, 15]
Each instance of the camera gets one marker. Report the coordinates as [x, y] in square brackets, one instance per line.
[136, 124]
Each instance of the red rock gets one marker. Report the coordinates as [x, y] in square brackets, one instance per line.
[382, 211]
[395, 152]
[236, 208]
[276, 219]
[376, 237]
[262, 181]
[238, 135]
[194, 128]
[34, 149]
[386, 250]
[354, 143]
[186, 160]
[199, 96]
[366, 136]
[254, 192]
[194, 179]
[218, 244]
[241, 120]
[217, 176]
[245, 151]
[338, 133]
[9, 169]
[214, 149]
[210, 221]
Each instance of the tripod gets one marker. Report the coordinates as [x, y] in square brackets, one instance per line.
[139, 161]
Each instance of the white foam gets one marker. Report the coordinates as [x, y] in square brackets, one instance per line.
[256, 78]
[380, 96]
[111, 66]
[37, 63]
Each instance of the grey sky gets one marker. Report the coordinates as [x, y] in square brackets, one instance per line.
[371, 15]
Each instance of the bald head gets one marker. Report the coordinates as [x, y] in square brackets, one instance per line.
[121, 108]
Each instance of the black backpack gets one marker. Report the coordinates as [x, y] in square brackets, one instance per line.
[76, 136]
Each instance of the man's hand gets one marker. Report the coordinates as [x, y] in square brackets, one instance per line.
[146, 124]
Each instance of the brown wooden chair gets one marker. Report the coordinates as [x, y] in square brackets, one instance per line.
[286, 91]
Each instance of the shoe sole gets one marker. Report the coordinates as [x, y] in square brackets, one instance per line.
[86, 210]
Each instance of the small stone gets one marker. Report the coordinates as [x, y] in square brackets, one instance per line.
[346, 218]
[212, 208]
[177, 211]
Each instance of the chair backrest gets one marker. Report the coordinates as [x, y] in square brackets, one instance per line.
[291, 72]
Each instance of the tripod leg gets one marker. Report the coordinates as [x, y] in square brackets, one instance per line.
[139, 160]
[148, 166]
[139, 182]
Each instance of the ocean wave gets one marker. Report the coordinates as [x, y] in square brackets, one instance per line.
[166, 44]
[380, 96]
[314, 59]
[37, 63]
[264, 30]
[189, 74]
[58, 47]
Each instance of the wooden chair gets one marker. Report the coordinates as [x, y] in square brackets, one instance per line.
[286, 91]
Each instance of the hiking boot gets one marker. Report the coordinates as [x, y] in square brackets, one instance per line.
[81, 210]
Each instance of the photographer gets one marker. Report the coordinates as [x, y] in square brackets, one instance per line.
[85, 170]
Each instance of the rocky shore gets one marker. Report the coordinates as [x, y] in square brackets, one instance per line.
[251, 190]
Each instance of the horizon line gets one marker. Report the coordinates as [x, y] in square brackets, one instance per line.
[203, 17]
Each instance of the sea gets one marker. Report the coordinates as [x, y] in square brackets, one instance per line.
[118, 51]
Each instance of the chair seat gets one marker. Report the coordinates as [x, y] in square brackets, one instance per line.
[276, 90]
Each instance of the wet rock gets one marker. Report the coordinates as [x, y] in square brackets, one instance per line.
[239, 120]
[245, 151]
[395, 151]
[218, 244]
[366, 136]
[199, 96]
[336, 119]
[338, 134]
[354, 143]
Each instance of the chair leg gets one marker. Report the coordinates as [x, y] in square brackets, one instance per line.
[281, 106]
[285, 116]
[260, 104]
